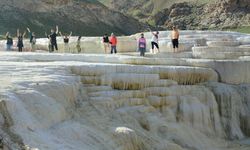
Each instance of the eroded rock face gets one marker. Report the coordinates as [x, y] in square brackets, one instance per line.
[231, 5]
[213, 15]
[234, 105]
[227, 13]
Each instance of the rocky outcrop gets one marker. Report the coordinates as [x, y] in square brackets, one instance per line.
[224, 14]
[188, 14]
[234, 5]
[179, 14]
[227, 13]
[139, 9]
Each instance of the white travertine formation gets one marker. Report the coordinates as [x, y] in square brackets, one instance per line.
[223, 43]
[220, 52]
[125, 102]
[233, 98]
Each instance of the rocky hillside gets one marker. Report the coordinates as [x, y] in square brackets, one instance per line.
[96, 17]
[225, 14]
[187, 14]
[83, 17]
[228, 13]
[144, 10]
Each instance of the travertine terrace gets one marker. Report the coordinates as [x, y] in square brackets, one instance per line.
[197, 99]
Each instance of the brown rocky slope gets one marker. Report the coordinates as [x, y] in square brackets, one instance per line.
[80, 16]
[187, 14]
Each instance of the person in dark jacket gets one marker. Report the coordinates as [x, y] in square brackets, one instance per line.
[105, 41]
[9, 42]
[32, 40]
[53, 39]
[20, 37]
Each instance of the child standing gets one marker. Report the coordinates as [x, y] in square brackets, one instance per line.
[142, 45]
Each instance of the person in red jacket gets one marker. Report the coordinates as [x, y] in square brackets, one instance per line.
[113, 42]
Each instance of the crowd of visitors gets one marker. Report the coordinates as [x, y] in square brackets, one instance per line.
[109, 43]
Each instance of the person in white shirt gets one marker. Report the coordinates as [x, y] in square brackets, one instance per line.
[154, 42]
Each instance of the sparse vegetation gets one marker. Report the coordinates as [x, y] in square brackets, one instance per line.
[243, 29]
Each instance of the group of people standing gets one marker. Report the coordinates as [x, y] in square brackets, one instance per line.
[20, 37]
[109, 43]
[52, 45]
[66, 38]
[142, 43]
[155, 42]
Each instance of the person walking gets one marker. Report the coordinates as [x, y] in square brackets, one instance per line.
[53, 39]
[32, 40]
[66, 42]
[105, 41]
[142, 45]
[113, 42]
[20, 37]
[175, 39]
[9, 42]
[154, 42]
